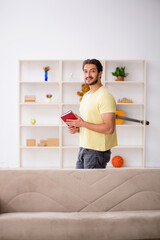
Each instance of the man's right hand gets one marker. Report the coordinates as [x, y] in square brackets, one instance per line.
[73, 130]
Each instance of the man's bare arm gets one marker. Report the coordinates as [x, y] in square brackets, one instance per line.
[107, 127]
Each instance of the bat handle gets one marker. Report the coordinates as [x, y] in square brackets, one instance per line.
[147, 122]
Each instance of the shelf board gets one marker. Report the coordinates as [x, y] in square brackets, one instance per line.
[69, 147]
[36, 147]
[120, 146]
[63, 125]
[75, 82]
[36, 125]
[130, 104]
[130, 147]
[131, 167]
[129, 125]
[48, 104]
[36, 82]
[38, 104]
[41, 167]
[124, 82]
[25, 147]
[70, 104]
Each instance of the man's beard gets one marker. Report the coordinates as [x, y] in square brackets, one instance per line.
[92, 83]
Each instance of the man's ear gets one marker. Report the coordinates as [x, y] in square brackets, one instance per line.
[100, 75]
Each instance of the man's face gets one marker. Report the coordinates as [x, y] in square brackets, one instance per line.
[91, 75]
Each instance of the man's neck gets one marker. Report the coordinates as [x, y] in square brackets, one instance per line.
[95, 87]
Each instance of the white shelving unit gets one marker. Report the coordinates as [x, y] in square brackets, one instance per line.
[64, 80]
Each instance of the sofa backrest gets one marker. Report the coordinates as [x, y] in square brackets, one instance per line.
[79, 190]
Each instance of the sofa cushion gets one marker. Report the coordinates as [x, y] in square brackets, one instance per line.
[78, 226]
[79, 190]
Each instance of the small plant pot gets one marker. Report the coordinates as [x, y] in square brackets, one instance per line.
[48, 100]
[120, 78]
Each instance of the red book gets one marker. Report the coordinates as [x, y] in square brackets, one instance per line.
[68, 115]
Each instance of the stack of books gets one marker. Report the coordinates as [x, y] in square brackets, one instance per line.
[31, 142]
[50, 142]
[29, 99]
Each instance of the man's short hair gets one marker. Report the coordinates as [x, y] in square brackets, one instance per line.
[95, 62]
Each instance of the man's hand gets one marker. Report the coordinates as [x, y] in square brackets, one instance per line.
[79, 122]
[73, 130]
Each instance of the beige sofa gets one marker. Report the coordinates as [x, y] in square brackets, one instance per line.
[79, 204]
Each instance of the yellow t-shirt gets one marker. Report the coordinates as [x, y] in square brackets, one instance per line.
[91, 108]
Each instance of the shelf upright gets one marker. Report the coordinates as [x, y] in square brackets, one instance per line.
[60, 110]
[144, 113]
[19, 117]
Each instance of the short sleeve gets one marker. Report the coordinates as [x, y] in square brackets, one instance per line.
[107, 103]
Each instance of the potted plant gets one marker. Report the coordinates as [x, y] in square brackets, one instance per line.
[49, 97]
[120, 73]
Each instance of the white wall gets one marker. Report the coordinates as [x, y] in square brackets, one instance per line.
[72, 29]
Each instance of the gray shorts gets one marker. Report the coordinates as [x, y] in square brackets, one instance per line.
[88, 158]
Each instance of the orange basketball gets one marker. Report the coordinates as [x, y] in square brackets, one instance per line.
[117, 161]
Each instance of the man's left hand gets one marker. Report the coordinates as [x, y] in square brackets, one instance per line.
[79, 122]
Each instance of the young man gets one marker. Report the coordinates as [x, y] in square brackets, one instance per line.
[97, 122]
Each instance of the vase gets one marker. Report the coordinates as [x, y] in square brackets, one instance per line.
[120, 78]
[46, 75]
[49, 100]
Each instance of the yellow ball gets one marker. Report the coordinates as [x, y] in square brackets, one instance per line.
[33, 121]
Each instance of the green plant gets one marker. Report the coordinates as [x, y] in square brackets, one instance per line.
[49, 95]
[120, 72]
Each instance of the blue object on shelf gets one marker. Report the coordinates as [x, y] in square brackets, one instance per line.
[46, 75]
